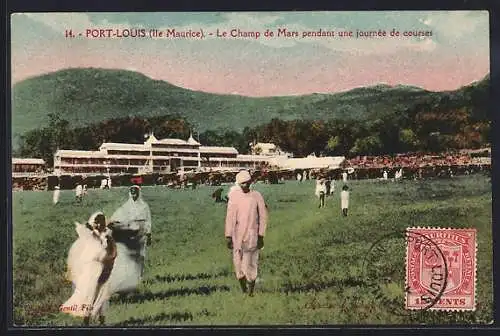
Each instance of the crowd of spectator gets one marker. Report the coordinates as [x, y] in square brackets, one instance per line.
[413, 160]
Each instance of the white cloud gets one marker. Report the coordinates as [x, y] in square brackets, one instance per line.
[62, 21]
[455, 24]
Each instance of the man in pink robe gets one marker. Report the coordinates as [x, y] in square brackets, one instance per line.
[246, 222]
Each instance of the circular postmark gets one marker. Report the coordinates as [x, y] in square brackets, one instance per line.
[406, 272]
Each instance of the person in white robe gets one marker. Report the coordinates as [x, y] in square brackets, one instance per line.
[56, 195]
[245, 227]
[344, 199]
[344, 177]
[90, 262]
[131, 225]
[104, 184]
[384, 175]
[79, 192]
[399, 174]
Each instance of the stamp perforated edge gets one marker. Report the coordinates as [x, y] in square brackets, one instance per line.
[474, 230]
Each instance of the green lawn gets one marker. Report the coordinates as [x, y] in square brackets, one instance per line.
[311, 269]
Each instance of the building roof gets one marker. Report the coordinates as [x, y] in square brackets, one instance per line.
[151, 139]
[79, 153]
[192, 141]
[122, 146]
[216, 149]
[254, 157]
[265, 145]
[173, 142]
[32, 161]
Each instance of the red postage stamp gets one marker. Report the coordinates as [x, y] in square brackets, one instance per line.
[441, 269]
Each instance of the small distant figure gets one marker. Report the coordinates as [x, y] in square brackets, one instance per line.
[104, 184]
[84, 190]
[344, 199]
[344, 177]
[57, 193]
[109, 183]
[399, 174]
[328, 185]
[384, 175]
[79, 192]
[299, 177]
[320, 192]
[217, 195]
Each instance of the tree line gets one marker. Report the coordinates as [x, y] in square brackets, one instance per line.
[421, 130]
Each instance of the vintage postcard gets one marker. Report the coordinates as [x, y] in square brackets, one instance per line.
[251, 168]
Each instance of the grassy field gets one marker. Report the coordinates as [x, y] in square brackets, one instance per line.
[311, 270]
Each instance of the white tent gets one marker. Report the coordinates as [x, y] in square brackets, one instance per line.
[310, 162]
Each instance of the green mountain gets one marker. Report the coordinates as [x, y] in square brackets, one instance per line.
[86, 96]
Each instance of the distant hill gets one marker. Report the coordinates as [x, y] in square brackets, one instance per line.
[89, 95]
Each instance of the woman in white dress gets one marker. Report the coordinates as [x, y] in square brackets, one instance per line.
[131, 226]
[57, 193]
[344, 199]
[90, 261]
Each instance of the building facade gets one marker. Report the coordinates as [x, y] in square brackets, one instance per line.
[22, 167]
[155, 156]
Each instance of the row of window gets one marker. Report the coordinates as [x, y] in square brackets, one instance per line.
[170, 153]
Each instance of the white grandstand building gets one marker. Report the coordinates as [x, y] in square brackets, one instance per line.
[175, 155]
[154, 156]
[24, 167]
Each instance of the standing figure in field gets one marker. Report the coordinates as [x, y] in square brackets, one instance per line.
[246, 222]
[217, 195]
[320, 192]
[57, 193]
[79, 192]
[398, 174]
[344, 199]
[344, 177]
[131, 225]
[384, 175]
[328, 186]
[104, 184]
[90, 261]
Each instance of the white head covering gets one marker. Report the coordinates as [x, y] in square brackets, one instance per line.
[133, 215]
[92, 218]
[243, 176]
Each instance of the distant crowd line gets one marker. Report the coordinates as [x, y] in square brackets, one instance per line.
[402, 166]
